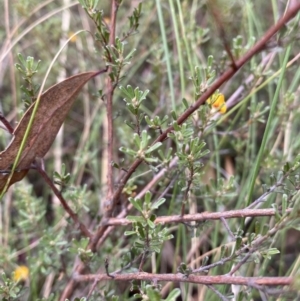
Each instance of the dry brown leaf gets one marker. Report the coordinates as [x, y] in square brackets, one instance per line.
[54, 105]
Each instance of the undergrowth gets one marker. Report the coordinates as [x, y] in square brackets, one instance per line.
[173, 188]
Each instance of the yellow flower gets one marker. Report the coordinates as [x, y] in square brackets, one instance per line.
[217, 101]
[21, 273]
[107, 20]
[74, 38]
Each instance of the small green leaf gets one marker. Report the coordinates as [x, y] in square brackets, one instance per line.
[136, 203]
[176, 126]
[286, 167]
[148, 196]
[257, 227]
[129, 55]
[157, 204]
[135, 219]
[21, 59]
[137, 140]
[128, 91]
[127, 151]
[151, 160]
[150, 224]
[238, 243]
[153, 147]
[128, 233]
[284, 203]
[173, 295]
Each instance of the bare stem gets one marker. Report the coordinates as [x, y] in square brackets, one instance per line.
[187, 191]
[222, 297]
[200, 217]
[6, 124]
[68, 209]
[208, 280]
[109, 108]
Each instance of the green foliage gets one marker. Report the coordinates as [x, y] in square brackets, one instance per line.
[149, 236]
[133, 100]
[152, 292]
[161, 58]
[144, 151]
[50, 298]
[184, 269]
[80, 248]
[115, 58]
[134, 20]
[9, 290]
[28, 68]
[203, 78]
[62, 179]
[156, 123]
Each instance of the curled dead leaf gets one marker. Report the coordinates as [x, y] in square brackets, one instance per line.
[54, 105]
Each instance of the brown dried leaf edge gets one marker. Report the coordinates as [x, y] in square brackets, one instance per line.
[54, 105]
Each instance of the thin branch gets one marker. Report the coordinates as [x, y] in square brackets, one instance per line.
[6, 123]
[12, 77]
[200, 217]
[67, 208]
[269, 191]
[109, 107]
[250, 249]
[188, 188]
[92, 289]
[244, 260]
[208, 280]
[106, 268]
[223, 298]
[103, 232]
[142, 262]
[225, 224]
[68, 290]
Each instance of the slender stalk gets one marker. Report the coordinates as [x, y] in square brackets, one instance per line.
[6, 123]
[109, 108]
[267, 130]
[237, 280]
[200, 217]
[64, 203]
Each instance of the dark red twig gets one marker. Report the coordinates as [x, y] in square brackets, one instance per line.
[68, 209]
[6, 124]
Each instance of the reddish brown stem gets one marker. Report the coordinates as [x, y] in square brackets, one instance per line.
[200, 217]
[72, 214]
[6, 124]
[109, 108]
[237, 280]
